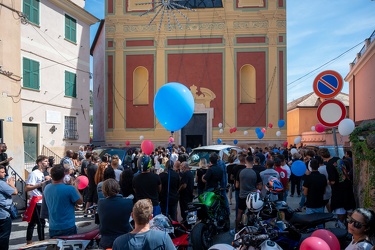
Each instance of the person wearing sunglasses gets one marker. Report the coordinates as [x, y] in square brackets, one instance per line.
[361, 224]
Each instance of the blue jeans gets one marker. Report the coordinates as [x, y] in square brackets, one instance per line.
[224, 193]
[236, 196]
[5, 229]
[64, 232]
[303, 200]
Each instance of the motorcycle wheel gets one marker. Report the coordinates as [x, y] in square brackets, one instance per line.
[200, 237]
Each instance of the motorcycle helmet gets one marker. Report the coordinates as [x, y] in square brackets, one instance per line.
[274, 185]
[145, 163]
[253, 202]
[161, 223]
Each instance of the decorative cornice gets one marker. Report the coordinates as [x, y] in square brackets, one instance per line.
[250, 25]
[110, 29]
[198, 26]
[139, 28]
[281, 23]
[76, 11]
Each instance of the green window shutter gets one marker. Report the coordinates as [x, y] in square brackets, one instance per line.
[31, 9]
[35, 11]
[26, 73]
[70, 28]
[70, 84]
[30, 74]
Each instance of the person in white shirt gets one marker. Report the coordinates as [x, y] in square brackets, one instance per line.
[174, 155]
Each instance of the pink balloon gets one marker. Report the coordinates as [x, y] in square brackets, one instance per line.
[147, 147]
[285, 144]
[127, 143]
[319, 128]
[328, 237]
[171, 139]
[263, 130]
[314, 243]
[82, 182]
[270, 125]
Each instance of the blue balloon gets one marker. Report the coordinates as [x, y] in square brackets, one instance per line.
[235, 142]
[298, 168]
[172, 97]
[281, 123]
[258, 130]
[260, 135]
[219, 141]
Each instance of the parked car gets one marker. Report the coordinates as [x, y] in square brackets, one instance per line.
[120, 151]
[331, 149]
[204, 152]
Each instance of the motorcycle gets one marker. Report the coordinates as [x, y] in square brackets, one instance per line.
[177, 231]
[87, 237]
[209, 216]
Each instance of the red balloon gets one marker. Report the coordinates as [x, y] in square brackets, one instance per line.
[314, 243]
[231, 130]
[328, 237]
[263, 130]
[270, 125]
[234, 129]
[82, 182]
[147, 147]
[127, 143]
[319, 128]
[285, 144]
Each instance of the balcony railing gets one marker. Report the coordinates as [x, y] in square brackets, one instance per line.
[364, 48]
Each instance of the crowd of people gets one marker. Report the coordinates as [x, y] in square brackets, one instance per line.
[143, 186]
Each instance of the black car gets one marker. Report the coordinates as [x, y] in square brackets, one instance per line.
[120, 151]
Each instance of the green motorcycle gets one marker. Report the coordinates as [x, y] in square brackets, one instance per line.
[209, 216]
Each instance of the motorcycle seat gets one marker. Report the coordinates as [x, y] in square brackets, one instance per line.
[310, 219]
[85, 230]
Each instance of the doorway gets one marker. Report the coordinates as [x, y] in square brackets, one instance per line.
[30, 141]
[195, 132]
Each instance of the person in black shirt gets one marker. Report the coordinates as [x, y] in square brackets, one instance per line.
[230, 168]
[186, 188]
[170, 183]
[214, 174]
[257, 167]
[147, 184]
[4, 160]
[199, 174]
[314, 187]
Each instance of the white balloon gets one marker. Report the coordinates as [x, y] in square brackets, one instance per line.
[245, 132]
[278, 133]
[346, 127]
[220, 125]
[141, 137]
[297, 140]
[221, 131]
[293, 151]
[312, 128]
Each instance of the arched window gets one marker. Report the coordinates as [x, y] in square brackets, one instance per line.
[247, 84]
[140, 86]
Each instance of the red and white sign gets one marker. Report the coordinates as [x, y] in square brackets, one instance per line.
[328, 84]
[331, 112]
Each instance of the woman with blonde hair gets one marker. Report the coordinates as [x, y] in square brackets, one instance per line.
[199, 173]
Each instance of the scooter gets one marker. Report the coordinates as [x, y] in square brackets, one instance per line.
[87, 237]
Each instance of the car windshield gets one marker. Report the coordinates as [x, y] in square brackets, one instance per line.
[114, 151]
[197, 155]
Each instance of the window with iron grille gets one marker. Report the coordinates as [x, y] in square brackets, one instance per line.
[70, 131]
[194, 4]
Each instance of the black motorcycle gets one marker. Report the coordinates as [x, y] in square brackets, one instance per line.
[209, 215]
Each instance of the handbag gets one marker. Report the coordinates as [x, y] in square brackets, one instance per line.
[12, 210]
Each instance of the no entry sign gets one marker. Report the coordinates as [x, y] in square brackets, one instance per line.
[328, 84]
[331, 112]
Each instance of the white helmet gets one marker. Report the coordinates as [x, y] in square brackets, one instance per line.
[253, 202]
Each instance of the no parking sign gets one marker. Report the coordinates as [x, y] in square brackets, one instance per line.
[328, 84]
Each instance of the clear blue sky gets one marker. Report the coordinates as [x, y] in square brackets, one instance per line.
[317, 32]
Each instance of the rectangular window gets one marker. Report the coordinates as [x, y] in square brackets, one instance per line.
[70, 28]
[70, 84]
[195, 4]
[70, 131]
[31, 10]
[30, 73]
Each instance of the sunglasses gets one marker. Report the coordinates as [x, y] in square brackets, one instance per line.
[356, 224]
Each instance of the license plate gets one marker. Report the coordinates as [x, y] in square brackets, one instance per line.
[191, 217]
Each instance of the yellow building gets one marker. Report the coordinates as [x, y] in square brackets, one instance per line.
[230, 54]
[10, 79]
